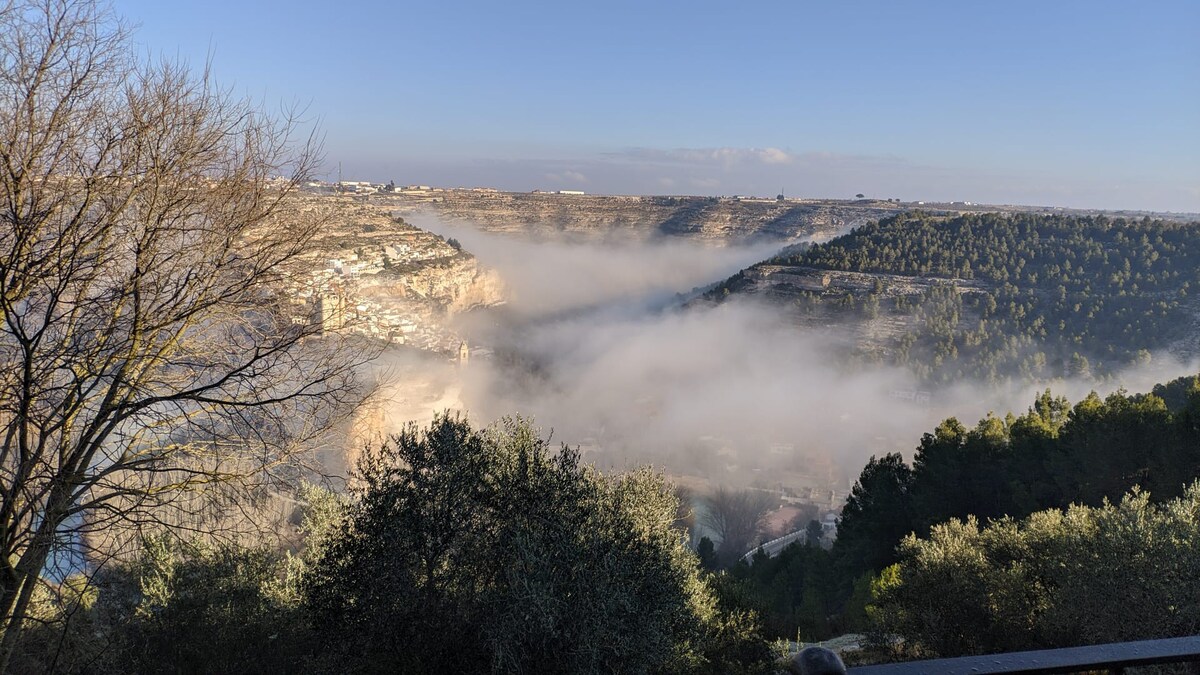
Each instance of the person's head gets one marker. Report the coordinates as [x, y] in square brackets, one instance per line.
[817, 661]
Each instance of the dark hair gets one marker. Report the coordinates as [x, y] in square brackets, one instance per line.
[817, 661]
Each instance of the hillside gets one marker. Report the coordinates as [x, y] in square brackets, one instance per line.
[996, 295]
[591, 217]
[712, 220]
[1052, 456]
[387, 279]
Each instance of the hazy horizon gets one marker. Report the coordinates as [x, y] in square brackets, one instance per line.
[330, 180]
[1059, 104]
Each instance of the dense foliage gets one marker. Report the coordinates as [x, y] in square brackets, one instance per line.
[178, 606]
[1051, 457]
[1058, 578]
[795, 592]
[1024, 295]
[462, 550]
[486, 551]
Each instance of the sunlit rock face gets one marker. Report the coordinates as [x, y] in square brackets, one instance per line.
[600, 217]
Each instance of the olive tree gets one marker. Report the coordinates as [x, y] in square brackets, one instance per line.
[148, 357]
[1084, 575]
[470, 550]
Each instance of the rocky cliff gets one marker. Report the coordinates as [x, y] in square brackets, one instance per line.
[382, 255]
[711, 219]
[452, 284]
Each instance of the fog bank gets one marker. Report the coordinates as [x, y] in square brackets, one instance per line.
[546, 275]
[737, 394]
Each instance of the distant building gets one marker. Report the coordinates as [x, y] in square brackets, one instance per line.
[571, 192]
[464, 353]
[915, 395]
[329, 311]
[357, 186]
[829, 524]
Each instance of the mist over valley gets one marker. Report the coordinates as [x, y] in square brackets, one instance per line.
[609, 343]
[589, 338]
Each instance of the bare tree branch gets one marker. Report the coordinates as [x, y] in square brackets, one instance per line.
[148, 361]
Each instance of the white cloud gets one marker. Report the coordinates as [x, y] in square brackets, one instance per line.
[568, 176]
[774, 156]
[727, 157]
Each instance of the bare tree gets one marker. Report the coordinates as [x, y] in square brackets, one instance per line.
[685, 513]
[736, 516]
[147, 351]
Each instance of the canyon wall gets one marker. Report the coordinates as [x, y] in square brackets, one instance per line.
[711, 219]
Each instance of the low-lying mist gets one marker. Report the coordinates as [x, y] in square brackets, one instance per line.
[547, 276]
[735, 394]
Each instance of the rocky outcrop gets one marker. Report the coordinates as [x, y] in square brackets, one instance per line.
[766, 276]
[378, 276]
[484, 289]
[710, 219]
[387, 254]
[451, 284]
[792, 288]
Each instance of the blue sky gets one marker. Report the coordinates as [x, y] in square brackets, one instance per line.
[1090, 104]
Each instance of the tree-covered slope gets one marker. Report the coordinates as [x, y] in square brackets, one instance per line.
[1025, 249]
[1002, 469]
[1052, 456]
[1000, 295]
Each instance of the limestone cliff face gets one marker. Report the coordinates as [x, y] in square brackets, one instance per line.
[875, 334]
[485, 289]
[710, 219]
[368, 254]
[453, 284]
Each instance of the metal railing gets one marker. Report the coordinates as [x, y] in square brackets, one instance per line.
[1113, 657]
